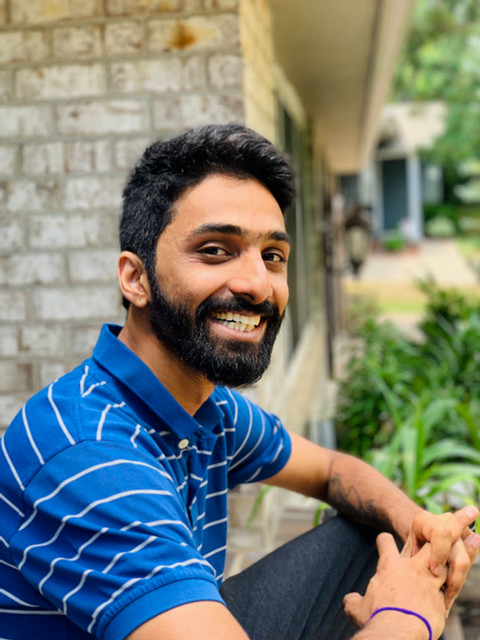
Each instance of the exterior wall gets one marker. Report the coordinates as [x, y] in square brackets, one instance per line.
[84, 86]
[258, 67]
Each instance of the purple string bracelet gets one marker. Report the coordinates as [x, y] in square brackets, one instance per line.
[409, 613]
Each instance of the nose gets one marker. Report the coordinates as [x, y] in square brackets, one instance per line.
[251, 279]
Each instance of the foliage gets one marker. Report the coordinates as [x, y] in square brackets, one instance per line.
[441, 61]
[411, 408]
[440, 227]
[393, 241]
[447, 210]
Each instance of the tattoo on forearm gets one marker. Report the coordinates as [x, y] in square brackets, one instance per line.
[349, 502]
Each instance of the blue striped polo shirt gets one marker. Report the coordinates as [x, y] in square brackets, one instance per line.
[113, 499]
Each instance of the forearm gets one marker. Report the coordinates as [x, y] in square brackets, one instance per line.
[348, 484]
[360, 492]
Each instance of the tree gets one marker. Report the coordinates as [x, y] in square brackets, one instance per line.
[441, 61]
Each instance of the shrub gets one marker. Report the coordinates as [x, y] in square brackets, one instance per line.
[440, 227]
[412, 409]
[393, 241]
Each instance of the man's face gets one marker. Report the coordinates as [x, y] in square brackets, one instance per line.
[221, 287]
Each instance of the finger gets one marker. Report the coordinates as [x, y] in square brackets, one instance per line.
[472, 545]
[352, 604]
[444, 536]
[459, 564]
[386, 545]
[467, 515]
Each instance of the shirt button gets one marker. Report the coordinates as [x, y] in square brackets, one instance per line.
[183, 444]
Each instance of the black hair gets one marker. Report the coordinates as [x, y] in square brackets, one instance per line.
[169, 167]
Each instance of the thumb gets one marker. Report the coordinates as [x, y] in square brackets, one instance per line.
[467, 515]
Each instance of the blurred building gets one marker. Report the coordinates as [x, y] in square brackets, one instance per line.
[397, 182]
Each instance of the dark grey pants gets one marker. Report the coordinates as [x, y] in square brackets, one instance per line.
[296, 592]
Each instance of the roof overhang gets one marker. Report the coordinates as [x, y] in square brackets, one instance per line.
[340, 55]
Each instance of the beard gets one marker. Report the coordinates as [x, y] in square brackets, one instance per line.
[232, 363]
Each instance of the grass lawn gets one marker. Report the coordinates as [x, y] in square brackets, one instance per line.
[469, 246]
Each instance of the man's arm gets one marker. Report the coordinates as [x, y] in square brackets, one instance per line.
[362, 493]
[350, 485]
[198, 620]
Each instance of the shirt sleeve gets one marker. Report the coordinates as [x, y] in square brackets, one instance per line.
[262, 444]
[106, 540]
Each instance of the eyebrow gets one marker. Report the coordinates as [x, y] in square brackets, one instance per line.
[234, 230]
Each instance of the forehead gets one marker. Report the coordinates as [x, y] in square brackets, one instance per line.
[223, 200]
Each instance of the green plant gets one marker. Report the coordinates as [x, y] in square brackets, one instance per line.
[393, 241]
[437, 474]
[412, 408]
[440, 227]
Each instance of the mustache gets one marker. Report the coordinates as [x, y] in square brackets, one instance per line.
[237, 304]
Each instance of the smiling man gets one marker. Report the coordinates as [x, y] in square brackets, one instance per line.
[114, 479]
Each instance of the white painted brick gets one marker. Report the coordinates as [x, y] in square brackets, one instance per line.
[194, 75]
[196, 33]
[168, 115]
[105, 117]
[93, 265]
[73, 231]
[87, 193]
[40, 11]
[13, 306]
[15, 376]
[129, 150]
[123, 38]
[43, 340]
[23, 46]
[25, 121]
[43, 158]
[84, 340]
[220, 5]
[88, 156]
[192, 6]
[155, 76]
[11, 234]
[8, 160]
[159, 76]
[32, 195]
[20, 269]
[172, 114]
[73, 43]
[9, 342]
[48, 372]
[225, 71]
[128, 7]
[10, 405]
[6, 90]
[76, 303]
[61, 81]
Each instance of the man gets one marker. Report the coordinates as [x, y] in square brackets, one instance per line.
[114, 479]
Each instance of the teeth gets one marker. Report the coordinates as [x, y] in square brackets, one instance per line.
[236, 321]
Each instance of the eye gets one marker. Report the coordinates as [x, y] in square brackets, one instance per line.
[274, 256]
[213, 250]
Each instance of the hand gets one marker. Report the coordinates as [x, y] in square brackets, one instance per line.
[404, 582]
[452, 543]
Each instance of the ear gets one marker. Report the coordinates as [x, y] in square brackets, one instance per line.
[133, 280]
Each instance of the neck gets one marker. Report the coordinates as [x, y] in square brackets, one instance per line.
[189, 387]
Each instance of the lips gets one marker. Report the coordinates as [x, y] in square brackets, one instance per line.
[237, 321]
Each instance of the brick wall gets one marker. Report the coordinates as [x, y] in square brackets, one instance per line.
[84, 86]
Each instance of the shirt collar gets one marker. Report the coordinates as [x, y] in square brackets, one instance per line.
[127, 368]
